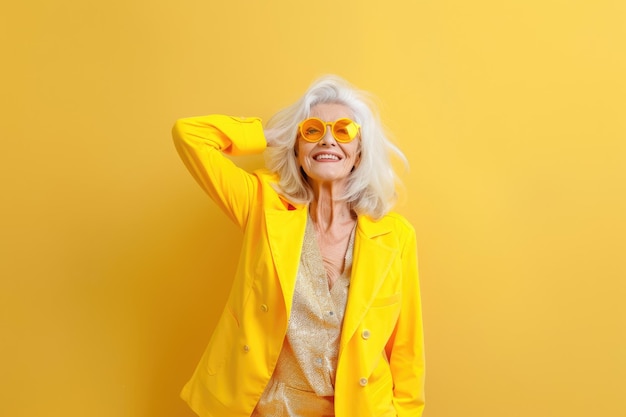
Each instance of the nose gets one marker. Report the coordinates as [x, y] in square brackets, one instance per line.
[328, 138]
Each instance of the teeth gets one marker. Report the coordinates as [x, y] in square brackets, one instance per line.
[327, 156]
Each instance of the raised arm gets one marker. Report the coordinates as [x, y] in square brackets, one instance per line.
[202, 142]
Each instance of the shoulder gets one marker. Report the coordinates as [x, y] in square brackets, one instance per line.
[267, 181]
[397, 222]
[391, 227]
[402, 233]
[271, 198]
[266, 176]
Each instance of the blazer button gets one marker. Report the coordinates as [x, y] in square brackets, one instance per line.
[246, 348]
[363, 382]
[264, 308]
[365, 334]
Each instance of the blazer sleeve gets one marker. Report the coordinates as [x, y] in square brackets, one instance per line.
[203, 142]
[405, 348]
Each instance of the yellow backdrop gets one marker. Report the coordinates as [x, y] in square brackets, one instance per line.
[114, 264]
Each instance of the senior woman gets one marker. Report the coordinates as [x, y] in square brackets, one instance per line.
[324, 315]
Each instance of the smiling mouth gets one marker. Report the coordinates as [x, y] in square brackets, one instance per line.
[326, 157]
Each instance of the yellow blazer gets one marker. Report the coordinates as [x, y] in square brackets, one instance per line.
[380, 366]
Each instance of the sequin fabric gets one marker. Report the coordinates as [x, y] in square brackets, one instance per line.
[304, 378]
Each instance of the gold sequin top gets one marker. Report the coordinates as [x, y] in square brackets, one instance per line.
[304, 378]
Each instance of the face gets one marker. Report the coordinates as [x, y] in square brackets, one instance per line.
[328, 161]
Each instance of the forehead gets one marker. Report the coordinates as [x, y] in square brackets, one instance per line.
[331, 111]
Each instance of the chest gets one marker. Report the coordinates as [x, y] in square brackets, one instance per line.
[335, 249]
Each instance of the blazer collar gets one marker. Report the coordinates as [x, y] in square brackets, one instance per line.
[372, 260]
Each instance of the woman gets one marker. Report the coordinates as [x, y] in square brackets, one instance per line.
[324, 314]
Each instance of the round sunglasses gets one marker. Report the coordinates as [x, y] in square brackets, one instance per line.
[313, 129]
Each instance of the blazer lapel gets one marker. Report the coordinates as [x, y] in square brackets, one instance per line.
[372, 260]
[285, 232]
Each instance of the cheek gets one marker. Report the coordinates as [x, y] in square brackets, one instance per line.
[301, 150]
[299, 154]
[354, 151]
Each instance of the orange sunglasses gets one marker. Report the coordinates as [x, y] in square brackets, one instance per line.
[313, 129]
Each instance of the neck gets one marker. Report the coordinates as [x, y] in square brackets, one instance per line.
[327, 211]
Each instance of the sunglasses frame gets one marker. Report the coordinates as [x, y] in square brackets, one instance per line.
[332, 129]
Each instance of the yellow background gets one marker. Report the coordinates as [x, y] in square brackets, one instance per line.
[512, 114]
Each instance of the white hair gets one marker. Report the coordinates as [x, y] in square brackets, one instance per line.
[371, 185]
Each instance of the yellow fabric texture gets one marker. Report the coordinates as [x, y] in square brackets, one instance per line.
[380, 367]
[303, 382]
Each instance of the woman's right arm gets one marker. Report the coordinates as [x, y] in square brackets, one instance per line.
[201, 143]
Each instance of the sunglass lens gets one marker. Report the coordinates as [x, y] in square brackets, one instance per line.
[345, 130]
[313, 129]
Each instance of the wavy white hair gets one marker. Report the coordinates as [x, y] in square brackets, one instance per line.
[371, 185]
